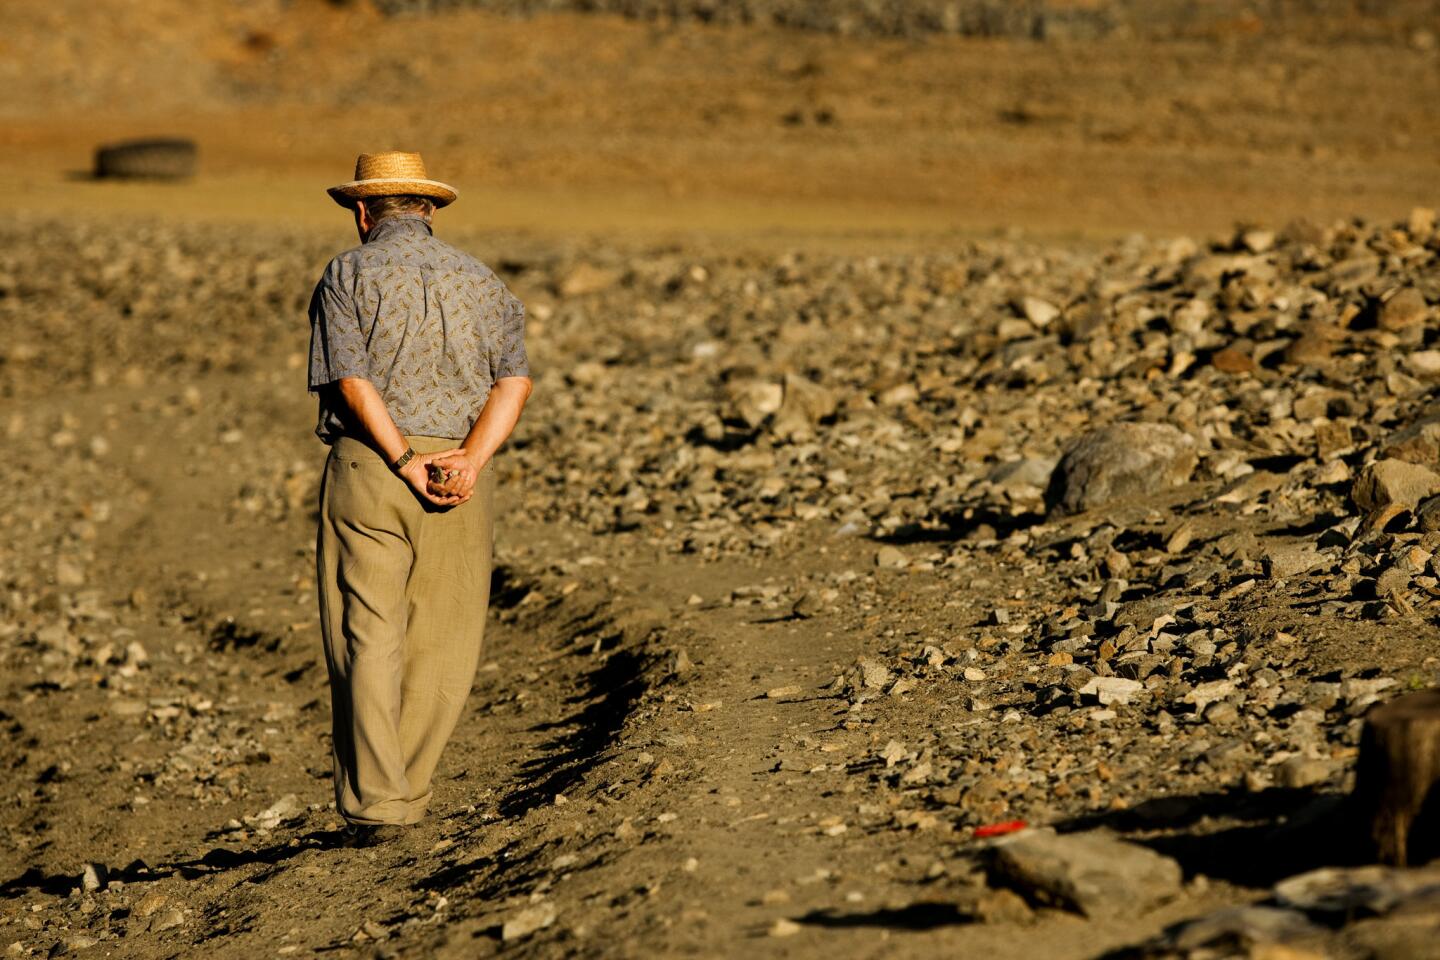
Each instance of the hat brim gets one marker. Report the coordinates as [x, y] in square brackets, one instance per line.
[347, 193]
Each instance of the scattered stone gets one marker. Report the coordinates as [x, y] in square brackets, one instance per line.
[1231, 360]
[803, 406]
[1121, 460]
[1427, 515]
[891, 558]
[1001, 907]
[1212, 691]
[370, 931]
[874, 674]
[1298, 773]
[1283, 561]
[1386, 485]
[1419, 443]
[92, 877]
[285, 809]
[528, 921]
[1037, 311]
[902, 686]
[681, 664]
[1181, 538]
[148, 904]
[1312, 348]
[807, 605]
[1112, 690]
[784, 928]
[585, 279]
[755, 400]
[1404, 309]
[1424, 364]
[1258, 241]
[69, 574]
[167, 919]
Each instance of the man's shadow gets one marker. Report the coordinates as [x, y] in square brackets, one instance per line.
[215, 861]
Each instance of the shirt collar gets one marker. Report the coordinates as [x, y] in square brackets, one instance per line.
[399, 224]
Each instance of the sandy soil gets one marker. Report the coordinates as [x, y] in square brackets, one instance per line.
[562, 123]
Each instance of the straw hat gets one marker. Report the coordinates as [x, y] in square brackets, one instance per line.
[388, 173]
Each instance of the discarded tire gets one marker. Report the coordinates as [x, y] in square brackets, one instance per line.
[169, 159]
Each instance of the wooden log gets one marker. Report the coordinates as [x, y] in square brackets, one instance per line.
[1397, 779]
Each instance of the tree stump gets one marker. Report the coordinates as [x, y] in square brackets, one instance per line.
[1397, 780]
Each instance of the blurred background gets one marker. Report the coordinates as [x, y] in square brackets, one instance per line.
[1089, 117]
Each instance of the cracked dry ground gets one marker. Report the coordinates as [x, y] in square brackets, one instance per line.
[742, 690]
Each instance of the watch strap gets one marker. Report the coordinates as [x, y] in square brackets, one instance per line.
[405, 458]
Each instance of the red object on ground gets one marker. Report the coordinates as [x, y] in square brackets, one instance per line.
[999, 829]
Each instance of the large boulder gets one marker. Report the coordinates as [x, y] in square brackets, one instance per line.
[1093, 873]
[1121, 460]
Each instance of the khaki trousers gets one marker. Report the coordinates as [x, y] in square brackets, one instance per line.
[404, 588]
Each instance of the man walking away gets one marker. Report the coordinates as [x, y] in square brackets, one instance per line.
[417, 352]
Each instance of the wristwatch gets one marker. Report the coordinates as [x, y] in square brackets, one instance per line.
[405, 458]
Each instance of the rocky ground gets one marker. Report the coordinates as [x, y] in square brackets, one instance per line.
[1062, 20]
[1006, 597]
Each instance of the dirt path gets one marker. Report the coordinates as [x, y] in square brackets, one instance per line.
[657, 811]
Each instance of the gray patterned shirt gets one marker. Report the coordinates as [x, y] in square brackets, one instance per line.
[431, 327]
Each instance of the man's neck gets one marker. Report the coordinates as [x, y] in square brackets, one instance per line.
[399, 222]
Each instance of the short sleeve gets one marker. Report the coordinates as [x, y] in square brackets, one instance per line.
[510, 357]
[337, 344]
